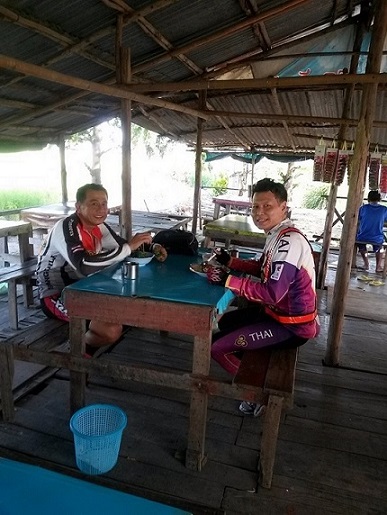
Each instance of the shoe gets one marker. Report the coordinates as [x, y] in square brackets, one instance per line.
[252, 408]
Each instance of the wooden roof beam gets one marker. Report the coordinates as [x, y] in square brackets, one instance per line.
[220, 34]
[258, 54]
[278, 108]
[267, 83]
[58, 37]
[89, 86]
[352, 122]
[153, 33]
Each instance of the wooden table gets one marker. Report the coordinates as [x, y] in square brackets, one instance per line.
[23, 231]
[166, 297]
[231, 202]
[234, 228]
[45, 217]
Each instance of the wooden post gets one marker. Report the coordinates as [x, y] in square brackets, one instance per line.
[198, 164]
[123, 71]
[320, 282]
[356, 185]
[341, 137]
[63, 171]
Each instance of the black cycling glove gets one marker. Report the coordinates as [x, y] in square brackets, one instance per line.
[222, 257]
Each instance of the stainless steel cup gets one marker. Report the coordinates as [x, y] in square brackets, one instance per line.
[234, 252]
[129, 270]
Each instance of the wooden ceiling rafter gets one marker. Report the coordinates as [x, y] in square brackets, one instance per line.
[154, 34]
[278, 108]
[60, 38]
[138, 17]
[257, 55]
[146, 26]
[154, 119]
[382, 148]
[219, 34]
[78, 47]
[16, 104]
[226, 126]
[310, 82]
[36, 113]
[259, 29]
[299, 119]
[103, 89]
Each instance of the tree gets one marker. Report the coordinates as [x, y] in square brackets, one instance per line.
[289, 177]
[94, 137]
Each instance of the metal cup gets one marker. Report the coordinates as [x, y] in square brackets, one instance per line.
[234, 252]
[129, 270]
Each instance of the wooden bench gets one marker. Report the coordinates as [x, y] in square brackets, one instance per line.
[273, 373]
[14, 275]
[46, 336]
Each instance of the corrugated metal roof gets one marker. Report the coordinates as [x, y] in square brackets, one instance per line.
[171, 41]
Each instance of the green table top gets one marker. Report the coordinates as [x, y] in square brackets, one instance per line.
[236, 224]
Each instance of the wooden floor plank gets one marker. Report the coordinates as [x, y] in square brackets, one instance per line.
[332, 448]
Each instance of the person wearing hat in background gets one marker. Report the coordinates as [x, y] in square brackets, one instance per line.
[372, 217]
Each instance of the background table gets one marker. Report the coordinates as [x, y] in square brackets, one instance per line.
[166, 297]
[238, 229]
[23, 231]
[231, 202]
[45, 217]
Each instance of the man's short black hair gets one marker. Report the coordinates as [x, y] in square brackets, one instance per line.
[278, 189]
[374, 196]
[82, 191]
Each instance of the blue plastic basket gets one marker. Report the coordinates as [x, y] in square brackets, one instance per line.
[97, 431]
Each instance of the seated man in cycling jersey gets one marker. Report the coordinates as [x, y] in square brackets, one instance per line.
[281, 310]
[79, 245]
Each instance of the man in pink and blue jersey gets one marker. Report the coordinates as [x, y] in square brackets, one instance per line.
[279, 288]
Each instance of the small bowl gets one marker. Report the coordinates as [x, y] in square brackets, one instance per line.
[142, 258]
[207, 256]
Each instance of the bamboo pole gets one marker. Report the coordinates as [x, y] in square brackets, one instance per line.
[198, 165]
[356, 184]
[123, 74]
[322, 269]
[63, 171]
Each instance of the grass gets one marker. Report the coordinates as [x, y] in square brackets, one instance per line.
[19, 199]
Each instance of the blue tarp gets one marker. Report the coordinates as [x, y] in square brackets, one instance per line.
[247, 157]
[330, 64]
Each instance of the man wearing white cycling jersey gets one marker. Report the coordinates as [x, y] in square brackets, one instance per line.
[77, 246]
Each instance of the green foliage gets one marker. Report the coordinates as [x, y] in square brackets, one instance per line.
[314, 198]
[18, 199]
[220, 185]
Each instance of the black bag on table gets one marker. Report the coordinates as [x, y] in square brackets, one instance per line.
[176, 241]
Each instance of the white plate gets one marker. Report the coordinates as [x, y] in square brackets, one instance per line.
[202, 274]
[142, 261]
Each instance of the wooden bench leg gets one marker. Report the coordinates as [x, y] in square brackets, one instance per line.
[195, 457]
[384, 274]
[28, 294]
[6, 379]
[269, 440]
[12, 304]
[77, 379]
